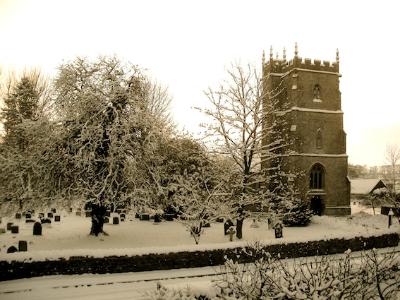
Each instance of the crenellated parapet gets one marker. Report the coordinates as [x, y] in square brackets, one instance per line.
[281, 65]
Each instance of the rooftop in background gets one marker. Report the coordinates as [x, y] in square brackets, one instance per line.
[365, 186]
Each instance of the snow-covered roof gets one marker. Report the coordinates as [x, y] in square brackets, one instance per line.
[365, 186]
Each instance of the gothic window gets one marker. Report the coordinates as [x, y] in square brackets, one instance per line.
[319, 139]
[317, 177]
[317, 92]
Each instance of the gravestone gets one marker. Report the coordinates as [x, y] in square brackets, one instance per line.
[231, 232]
[206, 224]
[2, 230]
[115, 220]
[45, 221]
[137, 215]
[169, 217]
[70, 209]
[37, 229]
[228, 223]
[78, 213]
[28, 215]
[41, 215]
[14, 229]
[12, 249]
[29, 221]
[144, 217]
[9, 225]
[22, 246]
[49, 215]
[157, 218]
[122, 215]
[57, 218]
[18, 215]
[278, 230]
[53, 210]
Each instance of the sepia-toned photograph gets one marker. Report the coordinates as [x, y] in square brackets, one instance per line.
[199, 150]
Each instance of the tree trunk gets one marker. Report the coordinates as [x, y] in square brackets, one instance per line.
[239, 227]
[98, 214]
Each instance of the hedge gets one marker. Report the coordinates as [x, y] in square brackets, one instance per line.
[185, 259]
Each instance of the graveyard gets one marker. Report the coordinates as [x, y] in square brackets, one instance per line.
[65, 234]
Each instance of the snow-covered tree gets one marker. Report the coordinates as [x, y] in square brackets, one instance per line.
[238, 129]
[24, 116]
[110, 116]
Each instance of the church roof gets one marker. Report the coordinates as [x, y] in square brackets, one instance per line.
[365, 186]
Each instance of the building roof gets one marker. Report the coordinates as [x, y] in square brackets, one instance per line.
[365, 186]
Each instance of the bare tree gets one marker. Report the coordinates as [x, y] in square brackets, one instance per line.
[237, 129]
[393, 158]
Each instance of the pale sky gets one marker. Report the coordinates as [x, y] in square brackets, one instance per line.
[187, 45]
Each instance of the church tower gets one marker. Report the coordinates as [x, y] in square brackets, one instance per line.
[307, 97]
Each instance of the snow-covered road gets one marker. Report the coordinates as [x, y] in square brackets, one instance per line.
[120, 285]
[103, 286]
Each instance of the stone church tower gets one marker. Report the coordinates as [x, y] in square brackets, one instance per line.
[307, 96]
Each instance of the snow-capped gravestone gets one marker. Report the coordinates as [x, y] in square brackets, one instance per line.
[278, 230]
[49, 215]
[22, 246]
[18, 215]
[228, 223]
[37, 229]
[28, 215]
[45, 221]
[9, 225]
[57, 218]
[12, 249]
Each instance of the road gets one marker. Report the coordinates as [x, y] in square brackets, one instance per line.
[103, 286]
[115, 286]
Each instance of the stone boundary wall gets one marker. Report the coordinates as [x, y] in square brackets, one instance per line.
[186, 259]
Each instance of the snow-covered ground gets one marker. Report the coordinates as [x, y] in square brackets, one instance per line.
[70, 236]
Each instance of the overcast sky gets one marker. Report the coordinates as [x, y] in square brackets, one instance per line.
[187, 45]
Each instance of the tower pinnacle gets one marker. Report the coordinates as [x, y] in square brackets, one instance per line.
[284, 53]
[263, 57]
[270, 53]
[337, 56]
[296, 50]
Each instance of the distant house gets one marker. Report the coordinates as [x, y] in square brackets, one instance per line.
[361, 188]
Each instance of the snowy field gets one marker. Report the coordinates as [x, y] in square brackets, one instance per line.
[70, 236]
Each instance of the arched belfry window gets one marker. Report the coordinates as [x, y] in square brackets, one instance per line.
[319, 139]
[317, 92]
[317, 177]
